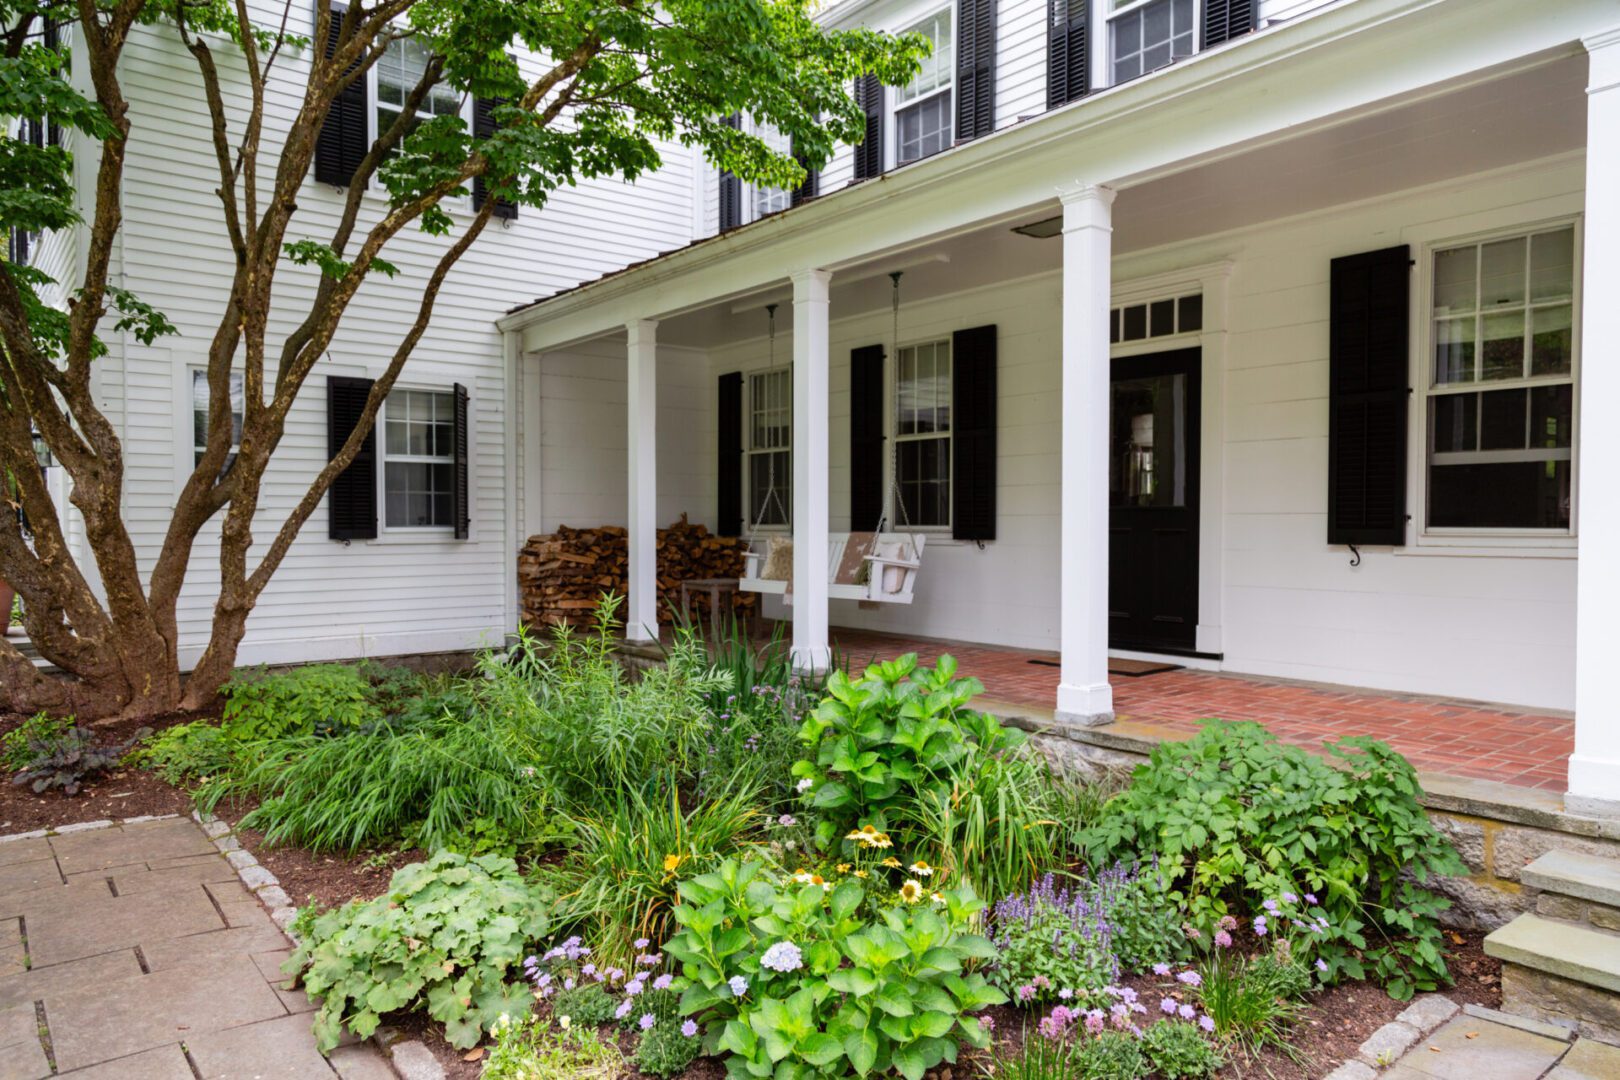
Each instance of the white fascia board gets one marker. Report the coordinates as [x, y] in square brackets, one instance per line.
[1349, 60]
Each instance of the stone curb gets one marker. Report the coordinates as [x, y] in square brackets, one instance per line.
[84, 826]
[1385, 1046]
[410, 1059]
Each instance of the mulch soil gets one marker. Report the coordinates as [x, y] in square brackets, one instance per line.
[1334, 1024]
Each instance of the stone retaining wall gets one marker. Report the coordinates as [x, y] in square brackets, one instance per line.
[1497, 829]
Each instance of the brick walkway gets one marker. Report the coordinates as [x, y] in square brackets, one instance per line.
[135, 953]
[1456, 738]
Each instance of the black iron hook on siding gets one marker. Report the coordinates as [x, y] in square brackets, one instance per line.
[1356, 553]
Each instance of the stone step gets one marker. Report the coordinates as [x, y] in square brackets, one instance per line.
[1577, 953]
[1570, 873]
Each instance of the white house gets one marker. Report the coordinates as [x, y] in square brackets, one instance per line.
[1245, 330]
[407, 578]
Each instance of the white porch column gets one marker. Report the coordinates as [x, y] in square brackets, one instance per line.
[1084, 696]
[641, 620]
[1594, 768]
[810, 421]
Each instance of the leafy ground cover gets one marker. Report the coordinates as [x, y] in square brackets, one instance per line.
[719, 868]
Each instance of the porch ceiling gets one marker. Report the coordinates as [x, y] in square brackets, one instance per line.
[1521, 116]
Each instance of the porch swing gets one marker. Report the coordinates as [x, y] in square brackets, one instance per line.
[871, 567]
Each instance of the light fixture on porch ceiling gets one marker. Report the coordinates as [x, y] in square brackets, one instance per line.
[1044, 229]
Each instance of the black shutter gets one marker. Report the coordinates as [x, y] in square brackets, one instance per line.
[730, 190]
[973, 430]
[351, 505]
[342, 143]
[869, 151]
[1225, 20]
[483, 128]
[1368, 368]
[1068, 65]
[728, 466]
[812, 181]
[461, 502]
[865, 437]
[53, 41]
[975, 68]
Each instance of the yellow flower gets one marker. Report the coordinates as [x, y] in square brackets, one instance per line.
[911, 891]
[921, 869]
[842, 868]
[673, 862]
[891, 861]
[860, 873]
[862, 833]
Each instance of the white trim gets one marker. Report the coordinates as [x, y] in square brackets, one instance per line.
[416, 534]
[463, 204]
[893, 517]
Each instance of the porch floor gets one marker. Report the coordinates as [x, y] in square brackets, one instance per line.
[1470, 739]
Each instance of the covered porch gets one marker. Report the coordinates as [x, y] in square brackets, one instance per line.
[1055, 235]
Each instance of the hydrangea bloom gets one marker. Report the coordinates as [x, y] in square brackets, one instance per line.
[738, 984]
[689, 1029]
[784, 956]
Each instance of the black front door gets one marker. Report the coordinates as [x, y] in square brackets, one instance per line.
[1153, 502]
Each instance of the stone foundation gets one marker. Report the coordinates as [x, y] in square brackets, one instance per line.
[1497, 829]
[1592, 1012]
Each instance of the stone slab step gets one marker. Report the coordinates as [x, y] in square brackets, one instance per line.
[1571, 873]
[1558, 948]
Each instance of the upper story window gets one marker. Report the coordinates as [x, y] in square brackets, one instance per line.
[419, 459]
[398, 72]
[1501, 387]
[770, 200]
[923, 434]
[1145, 35]
[1156, 318]
[770, 446]
[923, 116]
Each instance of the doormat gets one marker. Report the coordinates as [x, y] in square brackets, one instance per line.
[1131, 669]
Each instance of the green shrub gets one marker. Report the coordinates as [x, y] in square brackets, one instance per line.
[618, 881]
[1253, 1001]
[197, 752]
[665, 1050]
[1178, 1051]
[586, 1003]
[320, 697]
[533, 1049]
[1234, 817]
[449, 934]
[1036, 1059]
[1110, 1055]
[1082, 935]
[823, 981]
[28, 741]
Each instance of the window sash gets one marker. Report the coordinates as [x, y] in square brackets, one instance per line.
[1130, 52]
[396, 75]
[1469, 284]
[200, 393]
[425, 469]
[922, 415]
[923, 141]
[939, 68]
[769, 444]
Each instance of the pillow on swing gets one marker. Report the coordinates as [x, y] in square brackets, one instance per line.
[778, 560]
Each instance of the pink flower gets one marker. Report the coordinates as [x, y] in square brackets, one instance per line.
[1167, 1006]
[1223, 939]
[1187, 1012]
[1206, 1022]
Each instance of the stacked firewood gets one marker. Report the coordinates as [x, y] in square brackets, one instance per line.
[562, 575]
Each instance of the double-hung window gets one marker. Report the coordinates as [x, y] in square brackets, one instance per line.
[770, 200]
[1501, 386]
[419, 459]
[398, 72]
[770, 447]
[923, 435]
[199, 417]
[1145, 35]
[923, 117]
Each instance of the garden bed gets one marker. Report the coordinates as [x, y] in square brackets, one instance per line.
[477, 821]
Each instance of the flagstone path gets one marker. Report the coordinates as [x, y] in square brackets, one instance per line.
[1479, 1044]
[134, 952]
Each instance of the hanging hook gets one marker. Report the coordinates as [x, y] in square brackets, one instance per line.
[1356, 552]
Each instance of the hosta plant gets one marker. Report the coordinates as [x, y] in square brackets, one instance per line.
[449, 933]
[793, 981]
[886, 742]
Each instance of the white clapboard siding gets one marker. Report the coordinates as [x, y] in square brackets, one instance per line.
[404, 592]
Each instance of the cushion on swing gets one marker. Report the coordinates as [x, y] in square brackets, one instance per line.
[778, 560]
[852, 568]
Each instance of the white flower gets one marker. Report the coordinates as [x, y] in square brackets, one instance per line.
[805, 785]
[784, 956]
[564, 1021]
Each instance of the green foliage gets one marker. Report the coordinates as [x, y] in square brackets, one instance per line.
[1253, 1001]
[857, 982]
[1036, 1059]
[1110, 1055]
[20, 746]
[449, 933]
[586, 1003]
[665, 1052]
[1233, 816]
[618, 882]
[534, 1049]
[1177, 1050]
[319, 697]
[196, 752]
[60, 755]
[1082, 935]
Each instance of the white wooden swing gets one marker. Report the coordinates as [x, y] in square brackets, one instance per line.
[872, 567]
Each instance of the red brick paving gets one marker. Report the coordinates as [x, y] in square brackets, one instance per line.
[1456, 738]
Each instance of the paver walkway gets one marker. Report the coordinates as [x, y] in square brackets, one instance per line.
[135, 953]
[1471, 1048]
